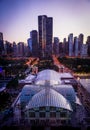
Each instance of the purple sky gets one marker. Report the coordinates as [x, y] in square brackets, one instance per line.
[19, 17]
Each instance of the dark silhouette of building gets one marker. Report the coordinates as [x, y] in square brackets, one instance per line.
[70, 43]
[80, 42]
[56, 46]
[1, 43]
[75, 48]
[88, 43]
[20, 49]
[65, 47]
[34, 42]
[8, 48]
[14, 49]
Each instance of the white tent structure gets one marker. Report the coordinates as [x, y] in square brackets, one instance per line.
[48, 76]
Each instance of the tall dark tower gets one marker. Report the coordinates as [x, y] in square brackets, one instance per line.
[1, 44]
[34, 42]
[80, 42]
[45, 29]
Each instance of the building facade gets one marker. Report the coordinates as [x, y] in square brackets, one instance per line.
[20, 49]
[34, 42]
[70, 43]
[45, 30]
[76, 49]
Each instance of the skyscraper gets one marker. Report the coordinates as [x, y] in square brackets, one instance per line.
[8, 48]
[56, 46]
[45, 29]
[34, 42]
[1, 43]
[65, 46]
[88, 43]
[14, 49]
[75, 46]
[70, 41]
[80, 42]
[20, 49]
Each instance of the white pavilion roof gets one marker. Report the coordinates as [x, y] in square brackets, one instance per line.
[49, 97]
[48, 76]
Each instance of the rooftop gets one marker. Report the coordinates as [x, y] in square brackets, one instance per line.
[86, 84]
[49, 97]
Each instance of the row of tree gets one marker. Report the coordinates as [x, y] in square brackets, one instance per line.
[81, 65]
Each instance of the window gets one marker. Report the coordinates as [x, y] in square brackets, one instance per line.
[31, 114]
[63, 114]
[42, 108]
[52, 109]
[52, 114]
[42, 114]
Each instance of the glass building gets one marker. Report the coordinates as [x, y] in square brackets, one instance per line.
[48, 100]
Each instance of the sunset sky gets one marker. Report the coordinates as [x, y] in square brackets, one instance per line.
[19, 17]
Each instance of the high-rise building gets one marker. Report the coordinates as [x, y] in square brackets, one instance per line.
[80, 42]
[56, 46]
[76, 46]
[29, 41]
[84, 50]
[14, 49]
[26, 51]
[65, 47]
[88, 43]
[1, 43]
[8, 48]
[61, 49]
[45, 29]
[34, 42]
[20, 48]
[70, 42]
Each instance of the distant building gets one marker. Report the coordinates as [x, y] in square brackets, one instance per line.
[56, 46]
[61, 49]
[26, 51]
[80, 42]
[8, 48]
[70, 43]
[1, 44]
[84, 50]
[33, 42]
[20, 48]
[65, 47]
[14, 49]
[45, 30]
[29, 41]
[76, 47]
[88, 43]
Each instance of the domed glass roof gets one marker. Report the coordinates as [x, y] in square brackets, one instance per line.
[67, 91]
[51, 76]
[49, 97]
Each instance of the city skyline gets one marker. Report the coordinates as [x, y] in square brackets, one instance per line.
[20, 17]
